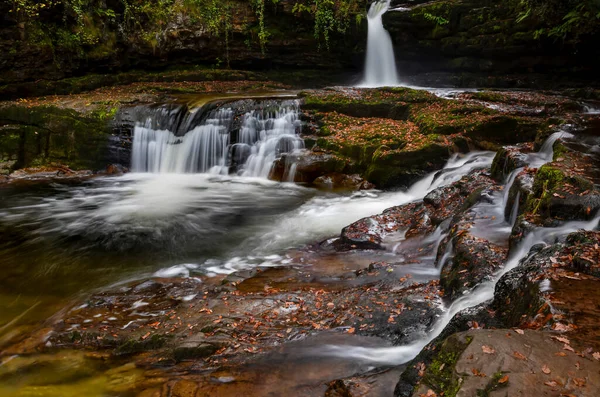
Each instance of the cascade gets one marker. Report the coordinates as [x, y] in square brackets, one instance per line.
[380, 64]
[217, 144]
[507, 187]
[591, 109]
[480, 294]
[514, 213]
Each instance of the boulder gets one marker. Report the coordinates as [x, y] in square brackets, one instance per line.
[507, 363]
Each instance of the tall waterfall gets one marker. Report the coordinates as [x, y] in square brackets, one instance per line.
[220, 143]
[380, 67]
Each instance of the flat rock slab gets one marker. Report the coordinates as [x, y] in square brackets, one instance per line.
[524, 363]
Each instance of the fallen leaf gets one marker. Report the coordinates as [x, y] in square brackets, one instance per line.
[596, 355]
[488, 349]
[519, 331]
[504, 379]
[421, 367]
[519, 355]
[579, 382]
[561, 354]
[569, 348]
[551, 383]
[477, 373]
[546, 370]
[562, 339]
[351, 330]
[560, 327]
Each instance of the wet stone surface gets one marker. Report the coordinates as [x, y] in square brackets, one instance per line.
[416, 218]
[512, 363]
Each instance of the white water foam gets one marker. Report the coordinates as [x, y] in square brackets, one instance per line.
[324, 216]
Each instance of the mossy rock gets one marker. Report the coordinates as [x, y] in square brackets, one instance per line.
[440, 375]
[44, 135]
[558, 194]
[508, 159]
[388, 102]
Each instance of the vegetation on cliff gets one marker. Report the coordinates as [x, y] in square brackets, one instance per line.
[95, 28]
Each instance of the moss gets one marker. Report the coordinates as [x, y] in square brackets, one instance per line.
[493, 385]
[441, 375]
[447, 118]
[44, 135]
[489, 96]
[559, 150]
[546, 181]
[389, 102]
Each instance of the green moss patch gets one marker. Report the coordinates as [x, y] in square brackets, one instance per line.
[440, 374]
[474, 121]
[388, 102]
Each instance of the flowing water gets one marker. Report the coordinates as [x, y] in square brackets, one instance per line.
[484, 291]
[380, 64]
[209, 145]
[200, 203]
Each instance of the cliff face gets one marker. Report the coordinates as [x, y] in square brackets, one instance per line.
[483, 37]
[458, 38]
[52, 47]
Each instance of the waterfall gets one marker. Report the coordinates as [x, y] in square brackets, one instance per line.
[200, 150]
[380, 65]
[266, 138]
[215, 145]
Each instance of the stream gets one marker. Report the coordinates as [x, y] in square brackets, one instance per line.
[184, 213]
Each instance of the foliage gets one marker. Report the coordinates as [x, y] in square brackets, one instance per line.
[331, 15]
[93, 28]
[564, 19]
[441, 21]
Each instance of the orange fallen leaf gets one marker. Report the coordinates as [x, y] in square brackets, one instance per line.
[579, 382]
[551, 383]
[504, 379]
[546, 370]
[477, 373]
[519, 355]
[488, 349]
[596, 355]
